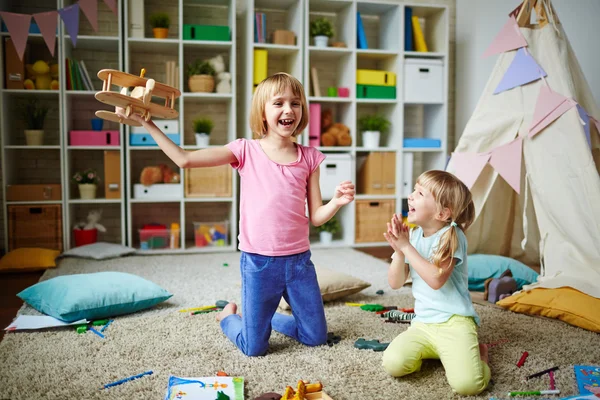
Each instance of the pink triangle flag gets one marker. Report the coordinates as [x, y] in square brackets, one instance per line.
[90, 9]
[18, 28]
[522, 70]
[47, 21]
[549, 106]
[468, 166]
[506, 160]
[112, 4]
[509, 38]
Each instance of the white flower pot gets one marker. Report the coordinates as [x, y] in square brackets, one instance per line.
[321, 41]
[87, 190]
[370, 139]
[325, 237]
[202, 139]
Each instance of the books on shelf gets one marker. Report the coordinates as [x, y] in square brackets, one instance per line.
[172, 74]
[260, 27]
[314, 75]
[361, 38]
[419, 39]
[408, 31]
[78, 77]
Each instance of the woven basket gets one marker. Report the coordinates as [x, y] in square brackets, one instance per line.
[202, 83]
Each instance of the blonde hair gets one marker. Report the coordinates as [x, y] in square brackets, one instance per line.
[449, 192]
[273, 85]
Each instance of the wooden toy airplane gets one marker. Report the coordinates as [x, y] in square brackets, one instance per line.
[139, 100]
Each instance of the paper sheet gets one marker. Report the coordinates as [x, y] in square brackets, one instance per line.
[39, 322]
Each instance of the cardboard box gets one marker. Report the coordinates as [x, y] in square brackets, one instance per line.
[37, 192]
[112, 174]
[281, 36]
[13, 67]
[94, 138]
[375, 92]
[208, 182]
[206, 32]
[375, 77]
[377, 175]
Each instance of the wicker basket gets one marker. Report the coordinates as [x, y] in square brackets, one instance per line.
[208, 182]
[35, 226]
[202, 83]
[371, 219]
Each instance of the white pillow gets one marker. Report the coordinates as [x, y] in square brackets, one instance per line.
[99, 251]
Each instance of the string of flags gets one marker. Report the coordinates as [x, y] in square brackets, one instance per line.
[18, 24]
[550, 105]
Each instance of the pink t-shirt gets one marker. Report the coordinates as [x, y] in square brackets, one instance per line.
[273, 220]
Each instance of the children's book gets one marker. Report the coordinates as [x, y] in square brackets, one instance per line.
[588, 380]
[205, 388]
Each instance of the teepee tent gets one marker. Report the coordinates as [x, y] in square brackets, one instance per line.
[531, 156]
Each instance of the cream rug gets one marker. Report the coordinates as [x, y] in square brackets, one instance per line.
[61, 364]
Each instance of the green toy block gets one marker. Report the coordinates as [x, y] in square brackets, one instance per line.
[372, 307]
[375, 92]
[362, 344]
[100, 322]
[206, 32]
[81, 328]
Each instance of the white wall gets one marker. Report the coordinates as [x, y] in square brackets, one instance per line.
[479, 21]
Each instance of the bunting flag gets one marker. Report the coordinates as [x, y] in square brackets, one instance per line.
[18, 28]
[506, 160]
[48, 21]
[585, 118]
[549, 106]
[112, 4]
[468, 166]
[597, 123]
[509, 38]
[70, 17]
[522, 70]
[90, 9]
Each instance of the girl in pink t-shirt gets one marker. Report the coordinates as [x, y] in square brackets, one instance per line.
[278, 178]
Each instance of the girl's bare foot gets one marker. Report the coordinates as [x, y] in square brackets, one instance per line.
[229, 309]
[483, 353]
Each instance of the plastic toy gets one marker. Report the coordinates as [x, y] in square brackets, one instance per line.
[210, 234]
[363, 344]
[40, 76]
[398, 316]
[139, 101]
[497, 287]
[332, 339]
[306, 391]
[93, 219]
[372, 307]
[268, 396]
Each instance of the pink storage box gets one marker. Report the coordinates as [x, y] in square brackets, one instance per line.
[94, 138]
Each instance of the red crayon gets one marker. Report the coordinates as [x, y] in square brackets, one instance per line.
[522, 360]
[552, 384]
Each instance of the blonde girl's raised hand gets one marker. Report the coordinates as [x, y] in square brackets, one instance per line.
[344, 193]
[397, 234]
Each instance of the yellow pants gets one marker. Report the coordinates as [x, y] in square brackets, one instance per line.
[453, 342]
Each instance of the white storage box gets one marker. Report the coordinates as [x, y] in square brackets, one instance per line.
[167, 126]
[334, 169]
[167, 191]
[423, 81]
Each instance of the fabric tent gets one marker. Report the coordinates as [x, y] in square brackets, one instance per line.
[558, 208]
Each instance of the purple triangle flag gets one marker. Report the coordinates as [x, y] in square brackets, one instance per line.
[586, 120]
[522, 70]
[70, 17]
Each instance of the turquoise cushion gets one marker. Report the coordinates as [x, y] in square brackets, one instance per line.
[484, 266]
[93, 296]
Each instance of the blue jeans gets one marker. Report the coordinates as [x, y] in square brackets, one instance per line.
[264, 281]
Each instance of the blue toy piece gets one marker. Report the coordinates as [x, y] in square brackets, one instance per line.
[363, 344]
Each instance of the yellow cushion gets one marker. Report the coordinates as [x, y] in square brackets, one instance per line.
[28, 259]
[567, 304]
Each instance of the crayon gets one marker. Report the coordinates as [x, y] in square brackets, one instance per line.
[120, 381]
[541, 372]
[534, 393]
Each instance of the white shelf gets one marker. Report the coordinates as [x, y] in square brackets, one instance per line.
[278, 49]
[422, 149]
[33, 202]
[155, 200]
[35, 92]
[209, 199]
[94, 201]
[25, 147]
[93, 147]
[333, 244]
[213, 44]
[81, 92]
[326, 99]
[422, 54]
[207, 97]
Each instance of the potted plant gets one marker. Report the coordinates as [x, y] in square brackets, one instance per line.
[328, 229]
[372, 126]
[201, 76]
[34, 115]
[202, 128]
[321, 29]
[160, 23]
[87, 181]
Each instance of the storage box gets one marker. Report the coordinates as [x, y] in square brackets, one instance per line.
[36, 192]
[211, 233]
[261, 60]
[205, 32]
[375, 77]
[375, 92]
[208, 182]
[167, 126]
[145, 139]
[371, 219]
[159, 238]
[158, 191]
[334, 169]
[421, 142]
[14, 68]
[112, 174]
[35, 226]
[281, 36]
[377, 175]
[94, 138]
[423, 81]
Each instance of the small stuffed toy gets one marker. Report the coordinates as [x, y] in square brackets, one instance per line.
[92, 221]
[158, 174]
[337, 135]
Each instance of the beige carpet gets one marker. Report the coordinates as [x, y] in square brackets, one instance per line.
[60, 364]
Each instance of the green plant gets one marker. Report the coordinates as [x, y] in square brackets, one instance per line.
[321, 27]
[160, 20]
[203, 125]
[333, 226]
[200, 68]
[34, 114]
[88, 176]
[373, 123]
